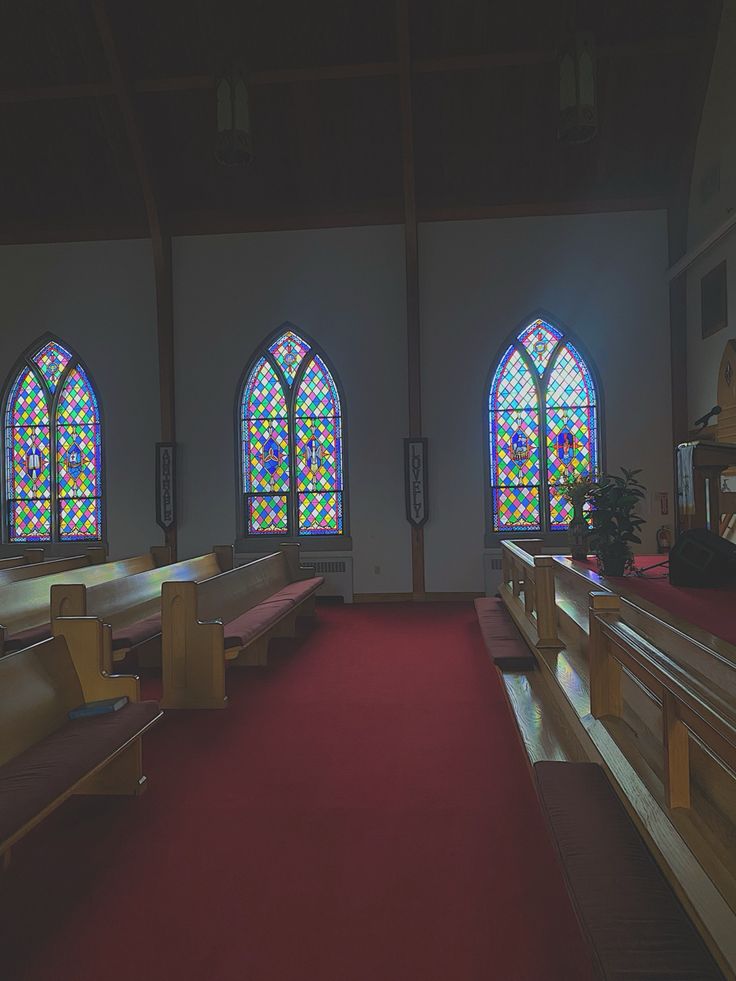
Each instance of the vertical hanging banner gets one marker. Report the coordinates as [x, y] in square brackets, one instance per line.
[165, 485]
[415, 475]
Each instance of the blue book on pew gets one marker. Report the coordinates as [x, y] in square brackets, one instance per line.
[101, 707]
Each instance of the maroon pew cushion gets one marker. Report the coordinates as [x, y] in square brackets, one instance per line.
[136, 633]
[296, 592]
[38, 776]
[251, 624]
[24, 638]
[505, 644]
[634, 923]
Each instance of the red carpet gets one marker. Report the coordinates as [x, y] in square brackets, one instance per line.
[363, 811]
[710, 609]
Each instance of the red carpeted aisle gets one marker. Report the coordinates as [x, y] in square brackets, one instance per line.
[363, 811]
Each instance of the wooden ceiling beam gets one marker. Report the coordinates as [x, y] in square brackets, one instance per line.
[160, 239]
[464, 63]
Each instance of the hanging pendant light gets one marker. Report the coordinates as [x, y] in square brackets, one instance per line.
[578, 102]
[234, 146]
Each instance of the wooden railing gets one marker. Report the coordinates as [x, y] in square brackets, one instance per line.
[529, 590]
[688, 709]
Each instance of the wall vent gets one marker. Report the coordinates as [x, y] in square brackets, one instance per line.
[492, 570]
[327, 568]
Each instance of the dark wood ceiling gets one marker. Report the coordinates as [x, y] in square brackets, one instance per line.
[328, 149]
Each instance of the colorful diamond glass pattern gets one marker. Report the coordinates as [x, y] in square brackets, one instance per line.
[264, 393]
[267, 455]
[515, 447]
[78, 403]
[570, 382]
[79, 520]
[30, 521]
[301, 426]
[268, 514]
[516, 508]
[27, 405]
[513, 386]
[539, 339]
[52, 359]
[569, 433]
[78, 460]
[320, 514]
[317, 395]
[318, 454]
[289, 351]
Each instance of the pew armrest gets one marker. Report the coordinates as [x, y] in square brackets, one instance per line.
[90, 648]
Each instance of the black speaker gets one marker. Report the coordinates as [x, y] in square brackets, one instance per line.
[700, 558]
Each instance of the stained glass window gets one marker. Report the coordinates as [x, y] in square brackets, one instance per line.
[543, 428]
[53, 451]
[291, 442]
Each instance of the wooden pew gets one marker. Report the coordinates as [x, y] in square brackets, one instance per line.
[24, 606]
[132, 606]
[44, 757]
[229, 619]
[29, 556]
[49, 567]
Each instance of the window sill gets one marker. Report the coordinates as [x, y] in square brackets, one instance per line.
[559, 540]
[309, 543]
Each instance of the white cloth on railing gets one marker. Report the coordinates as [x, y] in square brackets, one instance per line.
[685, 485]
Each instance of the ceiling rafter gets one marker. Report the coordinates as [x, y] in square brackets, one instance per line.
[465, 63]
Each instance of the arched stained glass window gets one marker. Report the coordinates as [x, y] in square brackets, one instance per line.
[53, 450]
[543, 428]
[292, 442]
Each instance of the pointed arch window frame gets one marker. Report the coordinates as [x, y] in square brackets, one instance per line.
[544, 532]
[339, 541]
[24, 362]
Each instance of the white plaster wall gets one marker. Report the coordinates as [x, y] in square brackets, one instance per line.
[345, 288]
[601, 275]
[716, 146]
[99, 297]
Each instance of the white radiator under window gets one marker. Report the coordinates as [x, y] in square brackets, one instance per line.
[337, 572]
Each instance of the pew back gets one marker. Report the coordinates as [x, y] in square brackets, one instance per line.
[29, 556]
[121, 602]
[38, 686]
[226, 596]
[24, 605]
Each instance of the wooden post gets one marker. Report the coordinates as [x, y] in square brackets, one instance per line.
[160, 240]
[676, 754]
[412, 271]
[544, 592]
[605, 671]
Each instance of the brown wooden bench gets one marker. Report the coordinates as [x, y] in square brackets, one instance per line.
[132, 606]
[50, 567]
[229, 619]
[29, 556]
[45, 757]
[634, 924]
[506, 646]
[25, 606]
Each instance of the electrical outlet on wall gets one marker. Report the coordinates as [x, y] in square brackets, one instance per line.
[377, 570]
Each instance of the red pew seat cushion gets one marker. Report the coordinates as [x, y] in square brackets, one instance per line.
[296, 592]
[245, 628]
[39, 775]
[505, 644]
[136, 633]
[636, 928]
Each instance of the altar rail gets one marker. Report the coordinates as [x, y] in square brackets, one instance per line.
[528, 589]
[654, 702]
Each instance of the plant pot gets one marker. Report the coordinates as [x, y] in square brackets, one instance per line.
[613, 563]
[578, 530]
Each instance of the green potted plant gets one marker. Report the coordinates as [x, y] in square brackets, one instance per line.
[614, 522]
[578, 490]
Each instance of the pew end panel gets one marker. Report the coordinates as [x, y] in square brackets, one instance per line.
[161, 555]
[68, 599]
[225, 557]
[33, 555]
[89, 643]
[192, 651]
